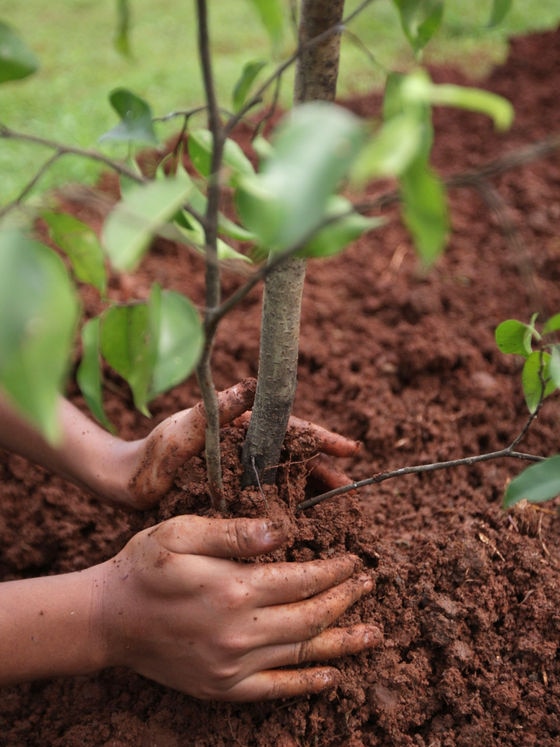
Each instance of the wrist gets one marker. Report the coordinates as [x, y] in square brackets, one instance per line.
[49, 627]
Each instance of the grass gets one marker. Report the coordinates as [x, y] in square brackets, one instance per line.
[67, 99]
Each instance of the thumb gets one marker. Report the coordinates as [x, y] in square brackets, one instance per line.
[220, 538]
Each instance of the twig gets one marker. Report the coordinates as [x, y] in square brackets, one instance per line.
[60, 151]
[418, 469]
[204, 372]
[507, 452]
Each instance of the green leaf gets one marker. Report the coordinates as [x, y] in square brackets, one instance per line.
[513, 336]
[152, 345]
[425, 209]
[500, 9]
[390, 151]
[122, 37]
[420, 20]
[191, 232]
[17, 61]
[535, 379]
[552, 324]
[313, 150]
[141, 215]
[136, 125]
[539, 482]
[79, 242]
[128, 344]
[39, 311]
[180, 341]
[88, 375]
[419, 88]
[271, 15]
[200, 146]
[249, 74]
[554, 366]
[335, 237]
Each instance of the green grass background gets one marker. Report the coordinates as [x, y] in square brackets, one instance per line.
[67, 99]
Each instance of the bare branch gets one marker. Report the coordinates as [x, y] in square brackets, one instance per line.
[417, 469]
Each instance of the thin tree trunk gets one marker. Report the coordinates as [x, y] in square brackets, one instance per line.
[316, 76]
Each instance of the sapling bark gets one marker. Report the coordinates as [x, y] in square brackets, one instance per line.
[316, 77]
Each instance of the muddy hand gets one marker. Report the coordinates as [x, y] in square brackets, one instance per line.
[178, 608]
[327, 444]
[176, 439]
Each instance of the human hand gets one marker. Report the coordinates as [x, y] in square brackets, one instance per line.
[177, 609]
[154, 460]
[326, 444]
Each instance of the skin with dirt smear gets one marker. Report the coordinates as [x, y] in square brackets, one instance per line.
[175, 605]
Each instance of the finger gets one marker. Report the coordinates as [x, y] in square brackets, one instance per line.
[178, 438]
[282, 683]
[292, 623]
[330, 644]
[232, 402]
[326, 475]
[327, 441]
[285, 583]
[219, 538]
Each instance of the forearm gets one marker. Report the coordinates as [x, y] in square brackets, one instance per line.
[87, 455]
[49, 627]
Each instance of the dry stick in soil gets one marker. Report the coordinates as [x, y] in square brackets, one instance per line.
[203, 370]
[507, 452]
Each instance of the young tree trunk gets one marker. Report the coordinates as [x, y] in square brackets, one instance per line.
[316, 76]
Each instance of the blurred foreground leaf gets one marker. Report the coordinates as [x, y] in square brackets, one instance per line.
[39, 312]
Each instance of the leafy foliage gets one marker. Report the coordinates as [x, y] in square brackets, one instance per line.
[540, 377]
[39, 311]
[17, 61]
[291, 203]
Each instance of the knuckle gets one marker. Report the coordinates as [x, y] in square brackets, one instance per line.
[237, 537]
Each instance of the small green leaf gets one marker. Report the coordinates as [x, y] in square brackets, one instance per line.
[39, 311]
[513, 336]
[191, 233]
[390, 151]
[335, 237]
[79, 242]
[141, 215]
[313, 150]
[89, 376]
[554, 367]
[136, 125]
[535, 379]
[552, 324]
[128, 344]
[539, 482]
[17, 61]
[250, 73]
[180, 341]
[419, 88]
[152, 345]
[271, 15]
[420, 20]
[425, 209]
[200, 146]
[500, 9]
[122, 37]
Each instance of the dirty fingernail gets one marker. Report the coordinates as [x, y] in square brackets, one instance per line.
[366, 581]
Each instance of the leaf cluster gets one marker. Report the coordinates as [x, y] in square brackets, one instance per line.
[540, 377]
[293, 202]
